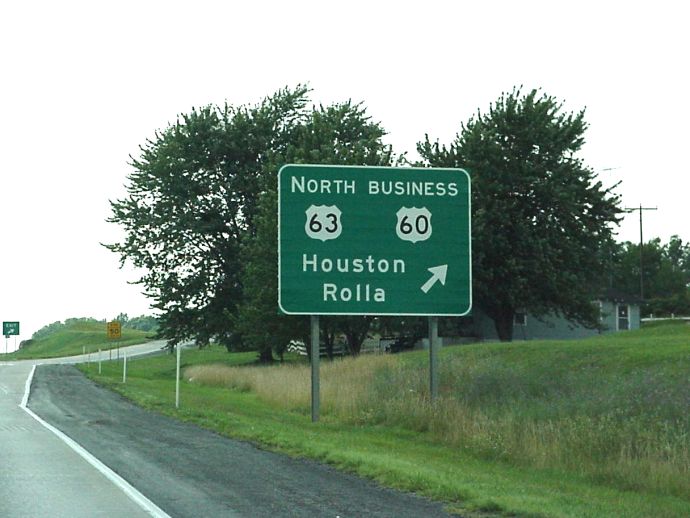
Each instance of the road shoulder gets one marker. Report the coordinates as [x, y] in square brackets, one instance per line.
[189, 471]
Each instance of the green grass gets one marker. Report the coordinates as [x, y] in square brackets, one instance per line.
[72, 339]
[613, 409]
[596, 427]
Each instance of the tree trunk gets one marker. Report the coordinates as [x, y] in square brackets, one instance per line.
[328, 332]
[355, 330]
[354, 343]
[265, 355]
[330, 339]
[504, 325]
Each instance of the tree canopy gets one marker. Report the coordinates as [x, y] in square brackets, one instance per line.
[339, 134]
[192, 199]
[666, 274]
[540, 217]
[200, 215]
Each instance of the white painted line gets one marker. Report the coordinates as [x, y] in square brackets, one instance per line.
[143, 502]
[27, 389]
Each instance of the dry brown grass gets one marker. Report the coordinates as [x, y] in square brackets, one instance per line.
[345, 384]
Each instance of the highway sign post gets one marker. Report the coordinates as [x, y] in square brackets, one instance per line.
[373, 241]
[114, 331]
[10, 329]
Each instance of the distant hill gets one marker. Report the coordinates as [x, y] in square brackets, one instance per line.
[71, 337]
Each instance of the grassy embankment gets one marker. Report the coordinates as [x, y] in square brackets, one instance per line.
[596, 427]
[73, 338]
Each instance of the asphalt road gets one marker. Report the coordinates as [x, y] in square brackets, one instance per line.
[190, 472]
[40, 476]
[132, 351]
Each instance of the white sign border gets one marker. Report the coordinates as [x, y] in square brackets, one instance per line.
[331, 166]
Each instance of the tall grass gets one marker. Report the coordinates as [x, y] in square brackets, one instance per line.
[596, 429]
[345, 384]
[615, 411]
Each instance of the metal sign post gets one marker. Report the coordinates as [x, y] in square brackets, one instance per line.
[315, 360]
[10, 329]
[114, 331]
[433, 357]
[373, 241]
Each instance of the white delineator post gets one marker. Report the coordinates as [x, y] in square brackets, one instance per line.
[124, 369]
[177, 376]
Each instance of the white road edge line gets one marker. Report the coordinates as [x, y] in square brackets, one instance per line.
[143, 502]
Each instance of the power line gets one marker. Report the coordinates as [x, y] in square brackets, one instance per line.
[632, 209]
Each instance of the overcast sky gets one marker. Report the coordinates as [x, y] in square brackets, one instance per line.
[83, 84]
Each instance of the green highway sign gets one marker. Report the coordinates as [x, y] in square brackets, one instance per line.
[374, 241]
[10, 328]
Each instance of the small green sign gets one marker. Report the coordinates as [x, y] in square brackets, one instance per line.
[374, 241]
[10, 328]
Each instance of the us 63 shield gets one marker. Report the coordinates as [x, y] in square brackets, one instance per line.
[323, 222]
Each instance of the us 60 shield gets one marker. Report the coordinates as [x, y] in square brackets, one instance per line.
[413, 224]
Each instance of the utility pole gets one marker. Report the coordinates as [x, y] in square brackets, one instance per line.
[632, 209]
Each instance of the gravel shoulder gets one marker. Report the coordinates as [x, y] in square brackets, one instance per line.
[189, 471]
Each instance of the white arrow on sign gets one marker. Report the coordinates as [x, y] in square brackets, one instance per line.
[438, 273]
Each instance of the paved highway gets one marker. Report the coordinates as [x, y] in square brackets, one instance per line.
[178, 469]
[40, 475]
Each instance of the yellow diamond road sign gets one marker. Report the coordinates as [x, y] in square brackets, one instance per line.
[114, 330]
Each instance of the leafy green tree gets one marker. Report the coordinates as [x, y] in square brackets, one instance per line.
[355, 329]
[678, 255]
[192, 200]
[540, 217]
[666, 274]
[626, 277]
[338, 134]
[143, 323]
[258, 324]
[123, 318]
